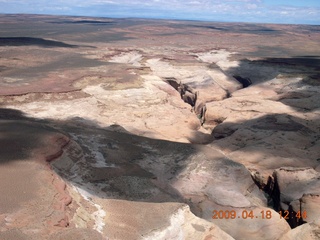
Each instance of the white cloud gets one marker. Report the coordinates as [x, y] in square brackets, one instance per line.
[251, 6]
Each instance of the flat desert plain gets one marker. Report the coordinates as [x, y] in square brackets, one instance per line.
[158, 129]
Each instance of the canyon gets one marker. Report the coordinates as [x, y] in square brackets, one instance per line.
[158, 129]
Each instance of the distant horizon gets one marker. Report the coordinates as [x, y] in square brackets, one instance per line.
[155, 19]
[305, 12]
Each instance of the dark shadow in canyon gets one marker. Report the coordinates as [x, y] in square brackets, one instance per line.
[31, 41]
[266, 69]
[122, 151]
[298, 94]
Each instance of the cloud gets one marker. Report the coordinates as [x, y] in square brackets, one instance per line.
[251, 6]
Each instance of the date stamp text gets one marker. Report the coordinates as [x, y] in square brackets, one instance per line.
[250, 214]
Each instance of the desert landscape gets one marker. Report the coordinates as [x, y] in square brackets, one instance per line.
[158, 129]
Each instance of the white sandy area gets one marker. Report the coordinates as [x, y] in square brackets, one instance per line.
[99, 215]
[220, 57]
[134, 58]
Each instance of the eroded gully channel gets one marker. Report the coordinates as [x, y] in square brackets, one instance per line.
[190, 96]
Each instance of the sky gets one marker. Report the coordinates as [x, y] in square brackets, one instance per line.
[258, 11]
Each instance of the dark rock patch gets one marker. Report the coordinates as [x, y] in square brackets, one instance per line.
[246, 82]
[279, 123]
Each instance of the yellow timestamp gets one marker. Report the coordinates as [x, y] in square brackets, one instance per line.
[244, 214]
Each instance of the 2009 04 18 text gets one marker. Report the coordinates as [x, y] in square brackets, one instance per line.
[244, 214]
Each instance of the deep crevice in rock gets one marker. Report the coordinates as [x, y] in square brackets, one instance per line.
[190, 96]
[172, 81]
[272, 192]
[246, 82]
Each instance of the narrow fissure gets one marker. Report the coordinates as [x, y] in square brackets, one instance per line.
[272, 192]
[246, 82]
[190, 96]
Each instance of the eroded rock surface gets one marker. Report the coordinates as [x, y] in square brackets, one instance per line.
[308, 231]
[92, 117]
